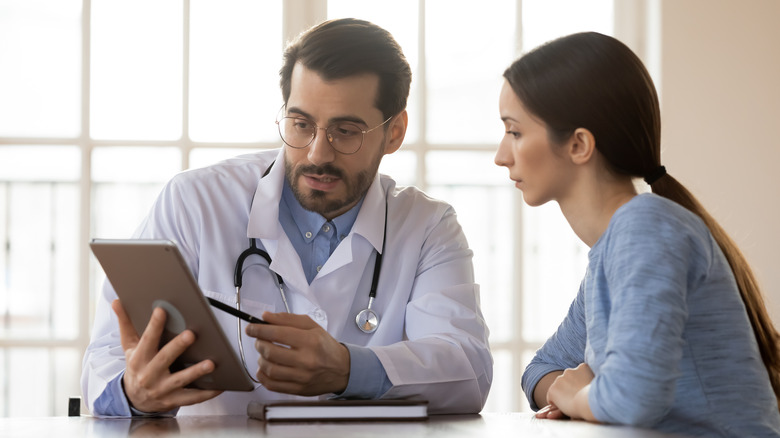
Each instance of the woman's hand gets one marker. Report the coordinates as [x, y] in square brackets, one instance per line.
[550, 412]
[568, 395]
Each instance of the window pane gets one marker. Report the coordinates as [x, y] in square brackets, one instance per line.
[400, 18]
[501, 392]
[543, 20]
[126, 183]
[402, 166]
[464, 72]
[202, 157]
[40, 163]
[554, 265]
[40, 67]
[478, 191]
[39, 232]
[235, 56]
[136, 72]
[554, 257]
[37, 382]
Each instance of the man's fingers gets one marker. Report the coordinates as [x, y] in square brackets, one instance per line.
[184, 377]
[278, 354]
[169, 352]
[289, 320]
[280, 363]
[150, 338]
[127, 335]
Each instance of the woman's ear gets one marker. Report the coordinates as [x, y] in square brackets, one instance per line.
[396, 132]
[582, 146]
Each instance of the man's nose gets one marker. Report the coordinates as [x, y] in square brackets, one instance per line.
[320, 149]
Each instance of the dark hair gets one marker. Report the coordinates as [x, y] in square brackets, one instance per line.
[593, 81]
[336, 49]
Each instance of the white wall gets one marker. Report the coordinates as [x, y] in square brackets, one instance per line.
[720, 87]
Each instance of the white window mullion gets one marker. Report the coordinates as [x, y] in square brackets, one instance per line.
[85, 182]
[186, 142]
[422, 144]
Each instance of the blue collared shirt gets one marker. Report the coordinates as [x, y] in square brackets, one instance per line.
[314, 239]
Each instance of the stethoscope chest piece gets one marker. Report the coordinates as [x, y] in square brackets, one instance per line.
[367, 320]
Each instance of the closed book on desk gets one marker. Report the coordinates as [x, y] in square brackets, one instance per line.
[339, 410]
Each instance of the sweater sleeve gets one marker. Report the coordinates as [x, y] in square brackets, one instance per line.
[651, 259]
[564, 349]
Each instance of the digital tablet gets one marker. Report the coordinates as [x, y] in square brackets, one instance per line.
[152, 273]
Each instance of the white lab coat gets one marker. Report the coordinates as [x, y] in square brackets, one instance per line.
[432, 339]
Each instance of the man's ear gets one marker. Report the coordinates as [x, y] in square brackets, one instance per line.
[582, 146]
[396, 132]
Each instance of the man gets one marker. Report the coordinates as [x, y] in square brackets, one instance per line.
[324, 215]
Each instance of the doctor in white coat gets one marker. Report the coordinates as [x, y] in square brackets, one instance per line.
[323, 213]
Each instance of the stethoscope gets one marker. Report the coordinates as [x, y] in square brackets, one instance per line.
[367, 320]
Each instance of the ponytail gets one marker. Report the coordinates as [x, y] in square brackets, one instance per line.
[767, 336]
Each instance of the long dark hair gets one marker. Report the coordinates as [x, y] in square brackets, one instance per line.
[593, 81]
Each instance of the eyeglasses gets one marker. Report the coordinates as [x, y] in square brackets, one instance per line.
[345, 137]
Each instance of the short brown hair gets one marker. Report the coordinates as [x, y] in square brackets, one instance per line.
[336, 49]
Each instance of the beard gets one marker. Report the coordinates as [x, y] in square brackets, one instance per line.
[322, 202]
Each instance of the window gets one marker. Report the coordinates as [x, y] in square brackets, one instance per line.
[119, 96]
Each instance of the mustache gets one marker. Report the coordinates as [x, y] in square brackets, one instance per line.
[327, 169]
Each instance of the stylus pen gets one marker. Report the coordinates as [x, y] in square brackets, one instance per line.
[235, 312]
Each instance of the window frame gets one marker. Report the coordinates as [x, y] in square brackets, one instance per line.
[634, 23]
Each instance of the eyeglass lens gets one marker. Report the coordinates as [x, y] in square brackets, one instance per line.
[298, 133]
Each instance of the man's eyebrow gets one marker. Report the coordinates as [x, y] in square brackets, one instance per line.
[346, 118]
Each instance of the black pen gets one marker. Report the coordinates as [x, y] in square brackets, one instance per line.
[235, 312]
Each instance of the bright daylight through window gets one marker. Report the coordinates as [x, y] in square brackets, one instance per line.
[96, 115]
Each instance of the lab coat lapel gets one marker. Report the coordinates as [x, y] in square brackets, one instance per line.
[264, 225]
[369, 225]
[264, 214]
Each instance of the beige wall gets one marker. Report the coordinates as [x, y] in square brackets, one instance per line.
[720, 88]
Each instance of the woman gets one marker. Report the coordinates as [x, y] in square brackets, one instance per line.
[669, 329]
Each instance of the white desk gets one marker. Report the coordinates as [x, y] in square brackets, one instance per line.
[486, 425]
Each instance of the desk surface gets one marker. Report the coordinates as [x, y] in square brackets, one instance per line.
[485, 425]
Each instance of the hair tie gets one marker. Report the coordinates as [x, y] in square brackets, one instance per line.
[655, 175]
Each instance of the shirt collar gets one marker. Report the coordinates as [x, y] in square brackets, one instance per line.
[370, 211]
[309, 221]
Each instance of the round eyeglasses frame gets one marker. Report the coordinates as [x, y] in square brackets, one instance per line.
[328, 133]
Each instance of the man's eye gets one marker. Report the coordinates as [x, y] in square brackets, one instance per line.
[302, 124]
[346, 130]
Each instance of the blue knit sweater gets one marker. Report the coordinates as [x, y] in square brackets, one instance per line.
[659, 320]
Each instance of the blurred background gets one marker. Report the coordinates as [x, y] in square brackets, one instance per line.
[102, 101]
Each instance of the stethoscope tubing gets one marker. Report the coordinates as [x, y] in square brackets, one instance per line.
[367, 320]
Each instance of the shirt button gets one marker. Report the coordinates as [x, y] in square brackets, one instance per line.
[308, 234]
[318, 315]
[318, 268]
[326, 228]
